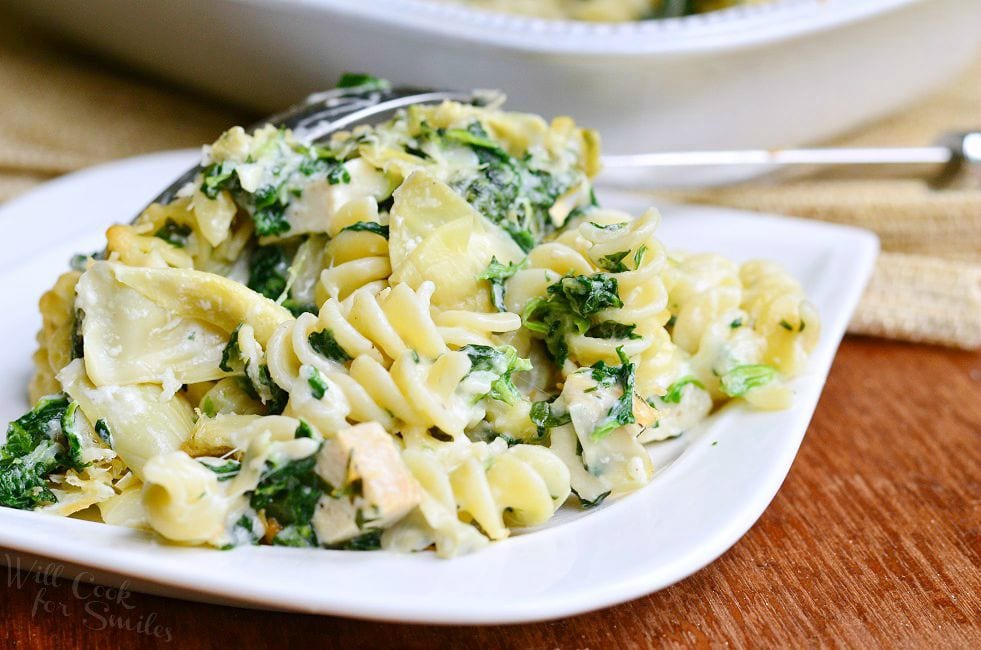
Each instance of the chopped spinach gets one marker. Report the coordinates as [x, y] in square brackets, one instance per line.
[73, 439]
[231, 354]
[78, 342]
[304, 430]
[566, 309]
[217, 177]
[268, 271]
[742, 379]
[673, 396]
[610, 329]
[104, 432]
[287, 494]
[34, 450]
[587, 504]
[368, 226]
[226, 470]
[546, 416]
[497, 274]
[610, 227]
[622, 411]
[614, 262]
[639, 255]
[296, 308]
[324, 344]
[174, 233]
[501, 361]
[511, 192]
[367, 541]
[317, 381]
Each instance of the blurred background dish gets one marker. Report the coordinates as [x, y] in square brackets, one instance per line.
[765, 75]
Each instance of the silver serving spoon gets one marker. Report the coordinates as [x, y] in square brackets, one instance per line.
[324, 113]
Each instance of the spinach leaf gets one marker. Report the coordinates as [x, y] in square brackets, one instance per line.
[497, 274]
[673, 396]
[610, 329]
[622, 411]
[268, 271]
[231, 354]
[614, 262]
[368, 226]
[287, 494]
[501, 361]
[510, 192]
[586, 504]
[174, 233]
[368, 541]
[317, 382]
[742, 379]
[33, 451]
[566, 309]
[225, 469]
[324, 344]
[546, 416]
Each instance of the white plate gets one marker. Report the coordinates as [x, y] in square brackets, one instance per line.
[715, 481]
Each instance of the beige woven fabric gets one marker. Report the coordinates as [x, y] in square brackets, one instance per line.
[61, 110]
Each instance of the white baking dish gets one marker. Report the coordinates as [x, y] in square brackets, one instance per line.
[777, 74]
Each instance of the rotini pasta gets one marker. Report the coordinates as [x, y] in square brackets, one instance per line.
[423, 334]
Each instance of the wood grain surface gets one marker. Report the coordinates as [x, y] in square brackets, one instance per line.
[873, 541]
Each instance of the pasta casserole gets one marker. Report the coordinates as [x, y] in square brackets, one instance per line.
[422, 334]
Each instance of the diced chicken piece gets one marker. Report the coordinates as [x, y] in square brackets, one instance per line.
[372, 487]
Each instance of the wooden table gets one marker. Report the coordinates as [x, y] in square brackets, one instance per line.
[874, 539]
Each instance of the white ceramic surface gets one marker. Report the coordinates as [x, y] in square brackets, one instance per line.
[771, 75]
[713, 483]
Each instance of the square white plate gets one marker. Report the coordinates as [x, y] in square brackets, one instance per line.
[713, 483]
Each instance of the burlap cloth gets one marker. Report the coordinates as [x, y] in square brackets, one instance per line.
[61, 110]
